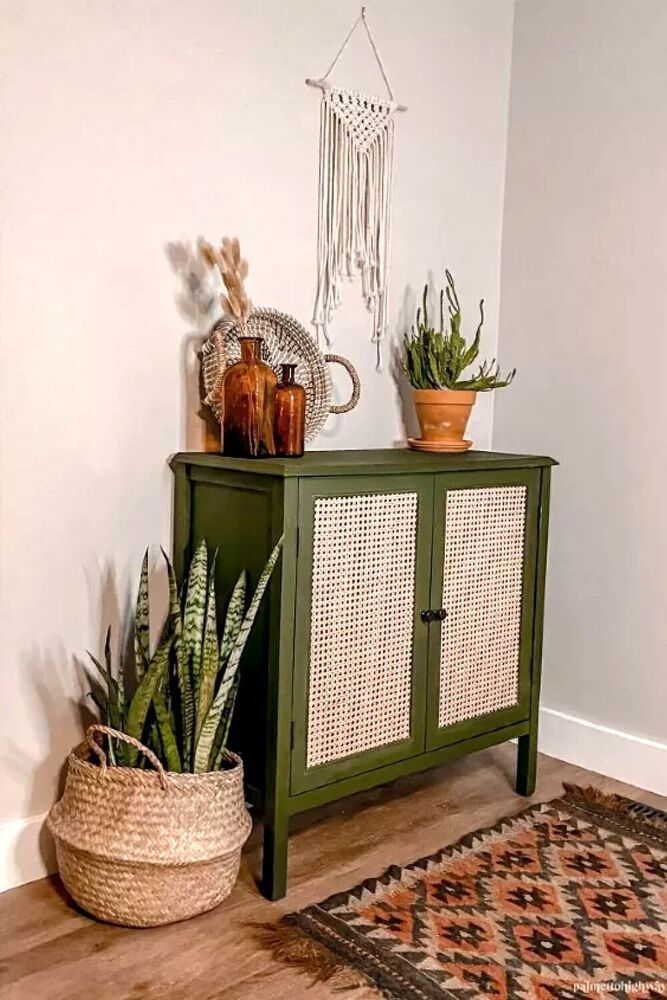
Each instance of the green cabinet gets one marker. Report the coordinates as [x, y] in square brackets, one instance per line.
[403, 623]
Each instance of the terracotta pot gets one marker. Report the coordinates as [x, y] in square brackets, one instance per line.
[443, 416]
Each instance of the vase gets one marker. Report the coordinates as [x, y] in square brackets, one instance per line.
[290, 414]
[247, 404]
[443, 416]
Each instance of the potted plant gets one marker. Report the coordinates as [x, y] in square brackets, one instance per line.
[142, 846]
[434, 363]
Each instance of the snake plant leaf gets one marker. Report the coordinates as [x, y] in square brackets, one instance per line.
[142, 622]
[107, 651]
[103, 670]
[175, 612]
[121, 692]
[215, 724]
[210, 655]
[143, 696]
[110, 700]
[195, 608]
[222, 735]
[212, 721]
[166, 731]
[101, 703]
[183, 678]
[115, 708]
[152, 741]
[222, 732]
[233, 618]
[122, 748]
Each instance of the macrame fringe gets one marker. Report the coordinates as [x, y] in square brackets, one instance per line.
[356, 156]
[289, 944]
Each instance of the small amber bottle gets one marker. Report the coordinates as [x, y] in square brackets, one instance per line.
[290, 414]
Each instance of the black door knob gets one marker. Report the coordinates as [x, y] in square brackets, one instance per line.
[438, 615]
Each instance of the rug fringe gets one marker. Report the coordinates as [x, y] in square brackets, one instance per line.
[589, 796]
[289, 944]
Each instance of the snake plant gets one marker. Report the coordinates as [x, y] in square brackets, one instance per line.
[436, 359]
[186, 689]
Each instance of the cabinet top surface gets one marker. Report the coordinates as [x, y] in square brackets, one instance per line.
[358, 463]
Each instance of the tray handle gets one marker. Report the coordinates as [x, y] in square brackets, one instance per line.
[356, 384]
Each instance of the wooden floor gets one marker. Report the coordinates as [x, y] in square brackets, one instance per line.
[49, 950]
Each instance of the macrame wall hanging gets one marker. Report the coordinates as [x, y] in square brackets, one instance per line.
[356, 160]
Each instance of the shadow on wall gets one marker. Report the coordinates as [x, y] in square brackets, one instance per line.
[59, 702]
[41, 769]
[404, 402]
[197, 303]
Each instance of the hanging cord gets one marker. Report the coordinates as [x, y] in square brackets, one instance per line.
[345, 44]
[377, 54]
[323, 81]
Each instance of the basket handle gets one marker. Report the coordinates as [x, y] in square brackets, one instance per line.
[356, 385]
[102, 757]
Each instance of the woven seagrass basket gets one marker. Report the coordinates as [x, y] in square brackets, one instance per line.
[140, 847]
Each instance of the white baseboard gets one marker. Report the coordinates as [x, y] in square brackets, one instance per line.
[26, 851]
[628, 758]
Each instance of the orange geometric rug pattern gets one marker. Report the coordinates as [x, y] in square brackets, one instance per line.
[565, 899]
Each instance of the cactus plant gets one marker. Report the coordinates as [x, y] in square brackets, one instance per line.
[436, 359]
[185, 692]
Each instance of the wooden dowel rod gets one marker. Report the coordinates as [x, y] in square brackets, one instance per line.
[324, 85]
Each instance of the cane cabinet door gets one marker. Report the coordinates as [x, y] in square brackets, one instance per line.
[483, 592]
[360, 656]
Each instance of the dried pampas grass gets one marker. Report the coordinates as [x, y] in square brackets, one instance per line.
[233, 271]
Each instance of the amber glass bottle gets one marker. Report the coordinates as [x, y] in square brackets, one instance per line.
[248, 399]
[290, 421]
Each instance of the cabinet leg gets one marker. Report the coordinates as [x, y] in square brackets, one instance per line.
[526, 763]
[274, 857]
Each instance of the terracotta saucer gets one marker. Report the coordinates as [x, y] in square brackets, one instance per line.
[440, 446]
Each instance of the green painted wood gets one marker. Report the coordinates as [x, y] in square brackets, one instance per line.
[304, 778]
[279, 693]
[235, 516]
[242, 506]
[527, 749]
[383, 461]
[182, 519]
[412, 765]
[530, 478]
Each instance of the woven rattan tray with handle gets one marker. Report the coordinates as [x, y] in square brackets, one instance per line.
[284, 340]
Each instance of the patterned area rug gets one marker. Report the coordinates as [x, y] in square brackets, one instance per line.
[565, 899]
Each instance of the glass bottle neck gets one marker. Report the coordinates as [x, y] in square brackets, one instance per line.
[288, 374]
[250, 348]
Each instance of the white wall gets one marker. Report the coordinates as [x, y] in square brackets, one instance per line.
[584, 318]
[130, 126]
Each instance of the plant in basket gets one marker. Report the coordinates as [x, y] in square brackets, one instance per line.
[143, 846]
[434, 363]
